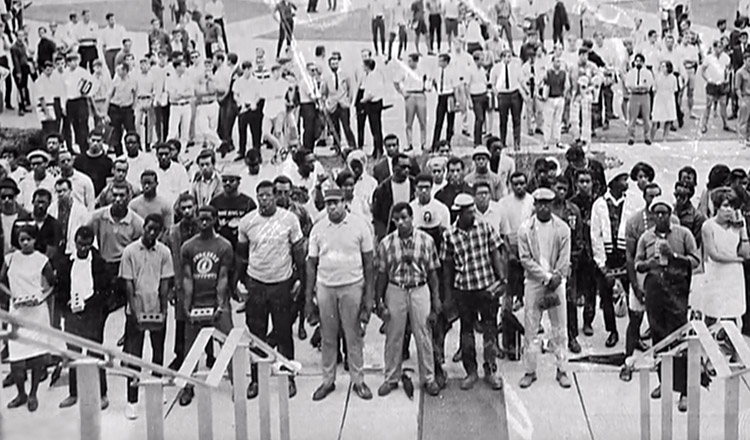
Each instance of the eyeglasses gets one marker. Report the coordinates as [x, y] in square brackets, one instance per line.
[7, 197]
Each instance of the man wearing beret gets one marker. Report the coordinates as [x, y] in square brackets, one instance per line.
[544, 251]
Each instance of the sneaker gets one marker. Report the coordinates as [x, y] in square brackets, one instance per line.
[563, 379]
[469, 381]
[386, 388]
[527, 380]
[68, 402]
[131, 411]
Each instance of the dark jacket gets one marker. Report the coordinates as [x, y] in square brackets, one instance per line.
[382, 202]
[102, 280]
[382, 171]
[598, 179]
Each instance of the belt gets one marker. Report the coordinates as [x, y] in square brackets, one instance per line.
[100, 100]
[145, 97]
[445, 95]
[179, 103]
[208, 101]
[639, 93]
[508, 92]
[415, 92]
[479, 95]
[407, 286]
[121, 106]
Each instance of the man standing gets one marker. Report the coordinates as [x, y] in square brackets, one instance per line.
[284, 14]
[428, 211]
[231, 205]
[172, 175]
[78, 86]
[456, 184]
[482, 173]
[544, 250]
[413, 86]
[207, 181]
[207, 260]
[338, 94]
[86, 34]
[94, 163]
[112, 36]
[207, 109]
[148, 202]
[506, 80]
[716, 72]
[39, 178]
[474, 274]
[377, 10]
[145, 114]
[449, 88]
[394, 189]
[137, 161]
[120, 104]
[407, 286]
[180, 90]
[340, 271]
[49, 90]
[504, 16]
[160, 72]
[556, 87]
[639, 83]
[81, 184]
[248, 92]
[269, 249]
[667, 255]
[147, 270]
[70, 213]
[476, 84]
[742, 88]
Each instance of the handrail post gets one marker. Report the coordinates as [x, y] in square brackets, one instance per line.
[284, 428]
[694, 388]
[264, 396]
[89, 398]
[731, 408]
[667, 397]
[205, 414]
[643, 375]
[239, 375]
[154, 392]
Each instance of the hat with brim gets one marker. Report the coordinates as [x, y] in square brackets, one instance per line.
[9, 183]
[660, 201]
[333, 194]
[480, 150]
[39, 153]
[462, 201]
[543, 195]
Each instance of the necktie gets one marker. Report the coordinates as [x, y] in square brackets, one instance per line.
[507, 77]
[442, 76]
[638, 77]
[336, 75]
[532, 82]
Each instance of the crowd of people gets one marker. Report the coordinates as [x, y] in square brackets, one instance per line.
[420, 243]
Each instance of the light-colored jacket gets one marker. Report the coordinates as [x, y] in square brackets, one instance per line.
[602, 242]
[79, 216]
[528, 250]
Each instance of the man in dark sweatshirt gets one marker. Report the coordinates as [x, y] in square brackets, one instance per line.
[94, 162]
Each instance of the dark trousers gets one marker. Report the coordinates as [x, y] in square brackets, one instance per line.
[109, 58]
[49, 127]
[221, 322]
[378, 30]
[161, 115]
[220, 22]
[274, 299]
[540, 26]
[441, 113]
[504, 27]
[254, 120]
[228, 111]
[403, 39]
[88, 56]
[608, 97]
[586, 284]
[557, 36]
[134, 346]
[515, 290]
[8, 80]
[340, 118]
[312, 5]
[310, 124]
[510, 103]
[472, 304]
[746, 316]
[286, 29]
[122, 120]
[480, 104]
[571, 303]
[373, 112]
[605, 288]
[22, 74]
[435, 29]
[87, 324]
[77, 114]
[666, 306]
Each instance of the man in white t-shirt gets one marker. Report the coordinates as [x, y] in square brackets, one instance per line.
[428, 212]
[716, 73]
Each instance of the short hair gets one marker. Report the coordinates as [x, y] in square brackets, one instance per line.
[186, 196]
[574, 153]
[121, 185]
[42, 192]
[402, 206]
[441, 144]
[645, 168]
[343, 176]
[491, 140]
[424, 177]
[561, 179]
[29, 229]
[282, 180]
[120, 161]
[453, 160]
[582, 172]
[669, 66]
[445, 57]
[722, 194]
[370, 64]
[482, 184]
[233, 57]
[651, 185]
[687, 170]
[85, 232]
[518, 174]
[64, 181]
[391, 136]
[263, 184]
[208, 208]
[178, 61]
[398, 157]
[135, 135]
[320, 50]
[55, 135]
[206, 153]
[718, 176]
[687, 185]
[150, 173]
[154, 218]
[162, 145]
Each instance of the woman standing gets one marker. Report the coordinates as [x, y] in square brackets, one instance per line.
[726, 246]
[664, 112]
[30, 278]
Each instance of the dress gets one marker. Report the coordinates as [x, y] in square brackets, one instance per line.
[665, 108]
[722, 288]
[25, 279]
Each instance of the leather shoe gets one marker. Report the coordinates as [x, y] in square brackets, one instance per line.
[68, 402]
[574, 346]
[469, 381]
[302, 333]
[252, 390]
[33, 403]
[323, 391]
[8, 381]
[682, 404]
[656, 393]
[495, 382]
[626, 373]
[56, 373]
[292, 387]
[432, 388]
[186, 396]
[563, 379]
[527, 380]
[386, 388]
[612, 340]
[588, 330]
[104, 403]
[19, 400]
[456, 357]
[362, 390]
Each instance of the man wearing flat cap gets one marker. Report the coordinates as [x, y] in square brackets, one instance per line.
[39, 178]
[544, 251]
[475, 274]
[667, 255]
[482, 172]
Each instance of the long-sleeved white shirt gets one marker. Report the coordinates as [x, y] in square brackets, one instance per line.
[601, 227]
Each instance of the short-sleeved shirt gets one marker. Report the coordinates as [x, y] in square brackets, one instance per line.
[114, 235]
[158, 205]
[409, 261]
[230, 211]
[146, 268]
[339, 248]
[471, 253]
[206, 257]
[270, 241]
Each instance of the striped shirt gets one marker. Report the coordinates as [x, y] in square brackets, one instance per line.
[407, 262]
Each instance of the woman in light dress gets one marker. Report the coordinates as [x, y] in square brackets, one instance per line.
[725, 246]
[30, 278]
[664, 112]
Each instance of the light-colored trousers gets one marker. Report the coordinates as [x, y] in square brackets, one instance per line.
[640, 105]
[416, 304]
[533, 318]
[341, 305]
[415, 104]
[534, 110]
[580, 118]
[553, 114]
[743, 118]
[144, 121]
[179, 123]
[206, 123]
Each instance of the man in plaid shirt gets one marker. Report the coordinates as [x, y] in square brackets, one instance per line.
[474, 273]
[407, 264]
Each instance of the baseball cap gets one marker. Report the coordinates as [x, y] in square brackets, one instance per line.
[333, 194]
